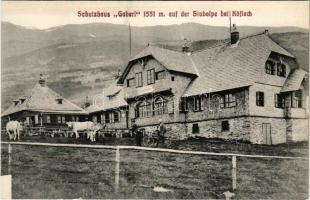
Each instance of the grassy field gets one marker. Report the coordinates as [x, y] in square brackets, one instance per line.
[62, 172]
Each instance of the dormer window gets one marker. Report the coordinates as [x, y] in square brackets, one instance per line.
[59, 100]
[15, 102]
[270, 67]
[281, 69]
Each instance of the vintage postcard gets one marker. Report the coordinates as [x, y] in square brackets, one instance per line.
[154, 100]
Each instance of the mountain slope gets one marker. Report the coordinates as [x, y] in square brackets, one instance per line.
[82, 59]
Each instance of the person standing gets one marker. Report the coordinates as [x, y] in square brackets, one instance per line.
[136, 133]
[161, 133]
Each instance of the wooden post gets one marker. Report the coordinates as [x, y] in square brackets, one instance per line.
[234, 172]
[10, 158]
[117, 162]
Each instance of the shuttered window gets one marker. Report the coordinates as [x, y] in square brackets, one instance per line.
[260, 99]
[279, 101]
[150, 76]
[281, 69]
[139, 81]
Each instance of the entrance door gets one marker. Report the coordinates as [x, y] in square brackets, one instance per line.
[267, 133]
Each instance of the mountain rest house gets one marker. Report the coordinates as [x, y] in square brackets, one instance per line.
[247, 88]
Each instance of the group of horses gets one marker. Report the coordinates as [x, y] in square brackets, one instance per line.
[14, 128]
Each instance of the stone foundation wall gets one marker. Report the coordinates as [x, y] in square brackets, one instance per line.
[174, 130]
[278, 130]
[300, 130]
[239, 129]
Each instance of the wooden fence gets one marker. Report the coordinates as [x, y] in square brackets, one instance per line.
[118, 156]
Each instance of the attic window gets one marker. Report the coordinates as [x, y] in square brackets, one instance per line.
[59, 100]
[160, 75]
[281, 69]
[270, 67]
[15, 102]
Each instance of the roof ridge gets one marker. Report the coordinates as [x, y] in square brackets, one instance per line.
[227, 42]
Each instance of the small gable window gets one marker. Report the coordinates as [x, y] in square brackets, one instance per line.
[160, 75]
[270, 67]
[260, 99]
[139, 82]
[131, 82]
[15, 102]
[150, 76]
[59, 100]
[281, 69]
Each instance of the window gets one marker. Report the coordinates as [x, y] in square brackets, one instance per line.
[160, 75]
[270, 67]
[197, 103]
[63, 119]
[144, 109]
[59, 119]
[172, 78]
[94, 118]
[150, 76]
[260, 98]
[225, 125]
[139, 81]
[228, 101]
[160, 106]
[111, 115]
[279, 101]
[297, 99]
[59, 101]
[116, 116]
[281, 69]
[48, 119]
[107, 118]
[77, 118]
[195, 128]
[183, 105]
[131, 82]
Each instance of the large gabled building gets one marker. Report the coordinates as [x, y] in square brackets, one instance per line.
[246, 88]
[43, 107]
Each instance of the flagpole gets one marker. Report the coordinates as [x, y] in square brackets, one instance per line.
[129, 40]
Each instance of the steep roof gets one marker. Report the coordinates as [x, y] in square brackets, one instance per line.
[103, 102]
[43, 99]
[294, 80]
[172, 60]
[226, 66]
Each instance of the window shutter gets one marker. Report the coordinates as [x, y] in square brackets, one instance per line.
[276, 101]
[257, 98]
[36, 119]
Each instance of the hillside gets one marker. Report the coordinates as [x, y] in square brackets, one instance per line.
[82, 59]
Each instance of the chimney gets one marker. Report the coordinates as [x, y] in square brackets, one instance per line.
[87, 103]
[234, 35]
[42, 80]
[185, 47]
[118, 74]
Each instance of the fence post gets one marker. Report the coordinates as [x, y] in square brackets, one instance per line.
[234, 172]
[10, 158]
[117, 162]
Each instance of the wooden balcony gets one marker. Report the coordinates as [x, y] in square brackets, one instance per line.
[157, 87]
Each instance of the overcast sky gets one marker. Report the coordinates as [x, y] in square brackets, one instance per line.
[48, 14]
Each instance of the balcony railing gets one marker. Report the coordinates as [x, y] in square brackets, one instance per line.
[158, 86]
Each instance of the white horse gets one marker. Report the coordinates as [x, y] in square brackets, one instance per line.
[15, 128]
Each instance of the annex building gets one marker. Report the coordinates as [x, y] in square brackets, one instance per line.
[43, 107]
[247, 88]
